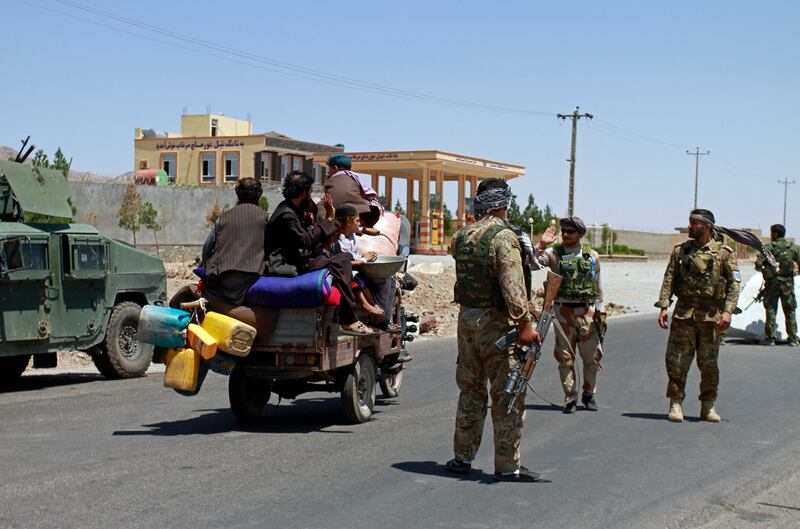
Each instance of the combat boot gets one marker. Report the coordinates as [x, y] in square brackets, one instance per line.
[792, 342]
[675, 410]
[768, 341]
[707, 411]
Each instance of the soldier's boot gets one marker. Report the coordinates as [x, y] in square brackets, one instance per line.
[793, 342]
[675, 410]
[707, 411]
[768, 341]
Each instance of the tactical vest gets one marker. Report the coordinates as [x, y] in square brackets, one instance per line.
[476, 285]
[700, 272]
[579, 273]
[783, 251]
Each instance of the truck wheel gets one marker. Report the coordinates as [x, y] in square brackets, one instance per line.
[247, 396]
[121, 355]
[358, 392]
[12, 367]
[390, 383]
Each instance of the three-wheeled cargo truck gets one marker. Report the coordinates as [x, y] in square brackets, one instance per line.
[298, 350]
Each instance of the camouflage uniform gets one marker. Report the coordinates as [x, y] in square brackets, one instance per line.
[706, 281]
[779, 285]
[479, 326]
[576, 314]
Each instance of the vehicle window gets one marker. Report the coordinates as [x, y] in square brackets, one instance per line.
[89, 257]
[17, 253]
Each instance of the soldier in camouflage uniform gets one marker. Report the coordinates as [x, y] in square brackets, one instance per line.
[578, 307]
[490, 287]
[779, 284]
[704, 275]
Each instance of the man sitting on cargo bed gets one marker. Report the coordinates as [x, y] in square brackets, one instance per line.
[234, 252]
[296, 240]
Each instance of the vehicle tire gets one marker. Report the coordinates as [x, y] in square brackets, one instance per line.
[12, 367]
[247, 396]
[390, 384]
[358, 392]
[120, 354]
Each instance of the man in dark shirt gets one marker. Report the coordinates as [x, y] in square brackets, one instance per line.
[234, 252]
[296, 239]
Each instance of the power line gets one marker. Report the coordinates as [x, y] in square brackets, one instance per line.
[290, 68]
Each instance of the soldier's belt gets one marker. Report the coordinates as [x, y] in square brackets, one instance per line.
[573, 304]
[700, 302]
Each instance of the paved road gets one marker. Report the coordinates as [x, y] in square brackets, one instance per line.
[78, 451]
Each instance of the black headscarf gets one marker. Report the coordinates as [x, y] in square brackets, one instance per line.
[741, 236]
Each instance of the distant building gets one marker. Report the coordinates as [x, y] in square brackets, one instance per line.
[213, 150]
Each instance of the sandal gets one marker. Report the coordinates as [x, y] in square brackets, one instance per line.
[458, 467]
[357, 329]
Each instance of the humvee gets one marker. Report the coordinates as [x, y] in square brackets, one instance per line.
[67, 286]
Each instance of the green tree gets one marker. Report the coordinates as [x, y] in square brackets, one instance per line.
[60, 163]
[129, 210]
[515, 215]
[148, 219]
[40, 159]
[399, 208]
[447, 219]
[264, 203]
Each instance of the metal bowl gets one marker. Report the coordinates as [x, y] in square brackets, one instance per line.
[384, 266]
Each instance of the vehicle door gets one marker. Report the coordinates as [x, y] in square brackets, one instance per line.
[84, 270]
[24, 278]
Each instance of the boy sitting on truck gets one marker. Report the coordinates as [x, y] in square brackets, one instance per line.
[348, 224]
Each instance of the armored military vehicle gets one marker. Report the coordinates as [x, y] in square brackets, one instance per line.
[67, 286]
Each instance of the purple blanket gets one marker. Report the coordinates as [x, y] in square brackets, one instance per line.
[303, 291]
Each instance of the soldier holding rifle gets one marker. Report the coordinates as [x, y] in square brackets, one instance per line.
[490, 287]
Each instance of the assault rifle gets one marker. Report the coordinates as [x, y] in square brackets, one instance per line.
[528, 357]
[759, 296]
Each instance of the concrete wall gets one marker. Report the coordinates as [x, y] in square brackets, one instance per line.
[654, 244]
[185, 209]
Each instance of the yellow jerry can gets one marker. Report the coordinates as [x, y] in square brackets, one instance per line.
[183, 371]
[171, 354]
[233, 336]
[201, 341]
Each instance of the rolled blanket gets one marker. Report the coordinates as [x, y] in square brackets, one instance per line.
[303, 291]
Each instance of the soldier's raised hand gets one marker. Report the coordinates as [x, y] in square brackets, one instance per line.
[548, 237]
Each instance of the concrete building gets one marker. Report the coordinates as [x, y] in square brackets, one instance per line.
[213, 150]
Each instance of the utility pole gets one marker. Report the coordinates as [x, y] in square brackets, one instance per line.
[785, 183]
[697, 154]
[575, 116]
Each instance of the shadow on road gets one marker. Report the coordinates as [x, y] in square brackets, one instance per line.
[543, 407]
[432, 468]
[658, 417]
[305, 416]
[37, 382]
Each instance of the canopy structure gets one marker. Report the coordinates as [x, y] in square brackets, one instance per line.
[424, 168]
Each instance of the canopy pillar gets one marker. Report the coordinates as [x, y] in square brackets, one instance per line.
[425, 211]
[388, 192]
[461, 210]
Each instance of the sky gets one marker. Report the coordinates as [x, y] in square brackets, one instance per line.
[660, 78]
